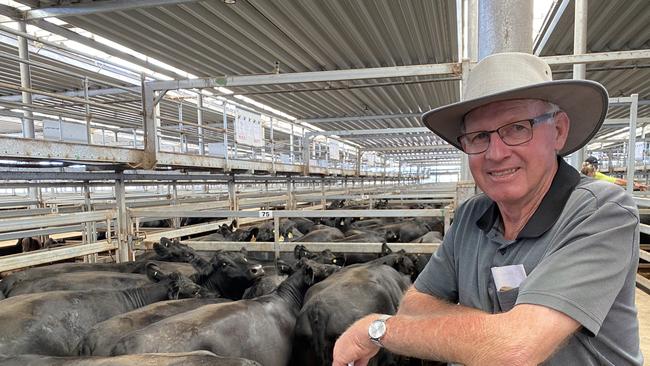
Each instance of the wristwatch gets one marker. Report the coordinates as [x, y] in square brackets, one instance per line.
[377, 330]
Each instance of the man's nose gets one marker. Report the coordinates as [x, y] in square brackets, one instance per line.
[497, 149]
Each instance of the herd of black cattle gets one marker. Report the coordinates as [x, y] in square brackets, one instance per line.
[176, 306]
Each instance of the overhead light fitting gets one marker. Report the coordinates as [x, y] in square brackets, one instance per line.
[229, 2]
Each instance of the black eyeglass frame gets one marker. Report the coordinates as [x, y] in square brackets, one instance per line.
[533, 121]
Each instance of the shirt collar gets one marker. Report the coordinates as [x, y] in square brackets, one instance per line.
[549, 210]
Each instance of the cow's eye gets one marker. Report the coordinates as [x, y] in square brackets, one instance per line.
[224, 264]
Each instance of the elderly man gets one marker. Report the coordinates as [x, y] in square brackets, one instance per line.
[540, 267]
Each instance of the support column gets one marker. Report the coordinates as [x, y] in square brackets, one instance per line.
[305, 154]
[579, 70]
[232, 194]
[225, 136]
[176, 221]
[199, 121]
[25, 82]
[322, 192]
[505, 26]
[90, 229]
[124, 250]
[272, 148]
[291, 199]
[89, 138]
[631, 163]
[291, 158]
[150, 130]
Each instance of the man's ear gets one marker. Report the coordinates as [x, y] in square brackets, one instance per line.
[562, 125]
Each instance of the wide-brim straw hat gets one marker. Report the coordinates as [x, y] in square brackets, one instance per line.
[508, 76]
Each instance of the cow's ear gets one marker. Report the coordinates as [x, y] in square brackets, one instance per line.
[385, 250]
[310, 275]
[243, 251]
[154, 273]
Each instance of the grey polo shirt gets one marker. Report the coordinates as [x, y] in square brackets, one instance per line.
[580, 251]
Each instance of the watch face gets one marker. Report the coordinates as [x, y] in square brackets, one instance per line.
[377, 329]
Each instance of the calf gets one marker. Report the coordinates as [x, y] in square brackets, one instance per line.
[80, 281]
[332, 305]
[139, 266]
[52, 323]
[103, 336]
[228, 273]
[259, 329]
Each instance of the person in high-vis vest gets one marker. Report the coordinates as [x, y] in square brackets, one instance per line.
[590, 168]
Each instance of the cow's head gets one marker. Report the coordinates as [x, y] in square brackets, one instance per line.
[231, 274]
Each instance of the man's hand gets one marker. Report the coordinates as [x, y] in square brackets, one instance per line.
[354, 345]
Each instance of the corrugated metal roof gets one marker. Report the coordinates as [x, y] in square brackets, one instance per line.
[611, 26]
[210, 38]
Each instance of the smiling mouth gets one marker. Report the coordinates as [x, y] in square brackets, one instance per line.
[502, 173]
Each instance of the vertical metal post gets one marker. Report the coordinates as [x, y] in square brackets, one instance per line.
[90, 229]
[505, 26]
[25, 82]
[358, 167]
[322, 192]
[472, 30]
[123, 248]
[276, 240]
[291, 204]
[234, 143]
[232, 194]
[291, 145]
[225, 134]
[272, 148]
[579, 70]
[150, 131]
[176, 221]
[327, 152]
[88, 116]
[631, 164]
[181, 134]
[305, 154]
[199, 121]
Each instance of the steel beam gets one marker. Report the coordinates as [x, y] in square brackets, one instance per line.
[413, 148]
[11, 262]
[11, 147]
[11, 12]
[539, 47]
[97, 7]
[308, 77]
[360, 118]
[637, 55]
[58, 220]
[383, 131]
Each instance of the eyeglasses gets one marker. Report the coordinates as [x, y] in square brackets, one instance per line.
[512, 134]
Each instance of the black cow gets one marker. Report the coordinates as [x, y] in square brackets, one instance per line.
[259, 329]
[103, 336]
[324, 234]
[325, 256]
[332, 305]
[139, 266]
[198, 358]
[52, 323]
[80, 281]
[228, 273]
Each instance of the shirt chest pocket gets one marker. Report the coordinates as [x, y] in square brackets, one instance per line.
[507, 299]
